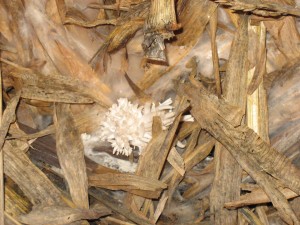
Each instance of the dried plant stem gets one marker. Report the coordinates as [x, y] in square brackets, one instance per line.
[257, 118]
[227, 170]
[106, 199]
[71, 156]
[70, 20]
[213, 30]
[6, 119]
[194, 18]
[159, 26]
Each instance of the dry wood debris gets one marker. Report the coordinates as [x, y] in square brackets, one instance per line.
[233, 65]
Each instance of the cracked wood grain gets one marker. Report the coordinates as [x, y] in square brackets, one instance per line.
[227, 178]
[71, 156]
[262, 162]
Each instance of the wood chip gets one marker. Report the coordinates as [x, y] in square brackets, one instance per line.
[71, 156]
[58, 215]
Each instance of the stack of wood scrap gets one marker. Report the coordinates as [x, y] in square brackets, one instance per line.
[232, 65]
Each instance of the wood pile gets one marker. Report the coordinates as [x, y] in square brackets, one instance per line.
[150, 112]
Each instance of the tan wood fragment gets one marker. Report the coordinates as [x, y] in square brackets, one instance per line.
[227, 170]
[160, 207]
[53, 38]
[58, 88]
[47, 131]
[176, 161]
[252, 153]
[186, 129]
[250, 216]
[199, 153]
[213, 29]
[110, 220]
[202, 183]
[257, 196]
[9, 220]
[70, 153]
[153, 158]
[113, 204]
[265, 9]
[146, 187]
[262, 214]
[257, 115]
[8, 117]
[175, 176]
[20, 169]
[59, 215]
[260, 67]
[15, 204]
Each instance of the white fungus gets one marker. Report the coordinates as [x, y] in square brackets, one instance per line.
[127, 126]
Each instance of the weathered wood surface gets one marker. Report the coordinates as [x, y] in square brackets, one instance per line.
[20, 169]
[60, 52]
[70, 153]
[227, 171]
[58, 215]
[253, 154]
